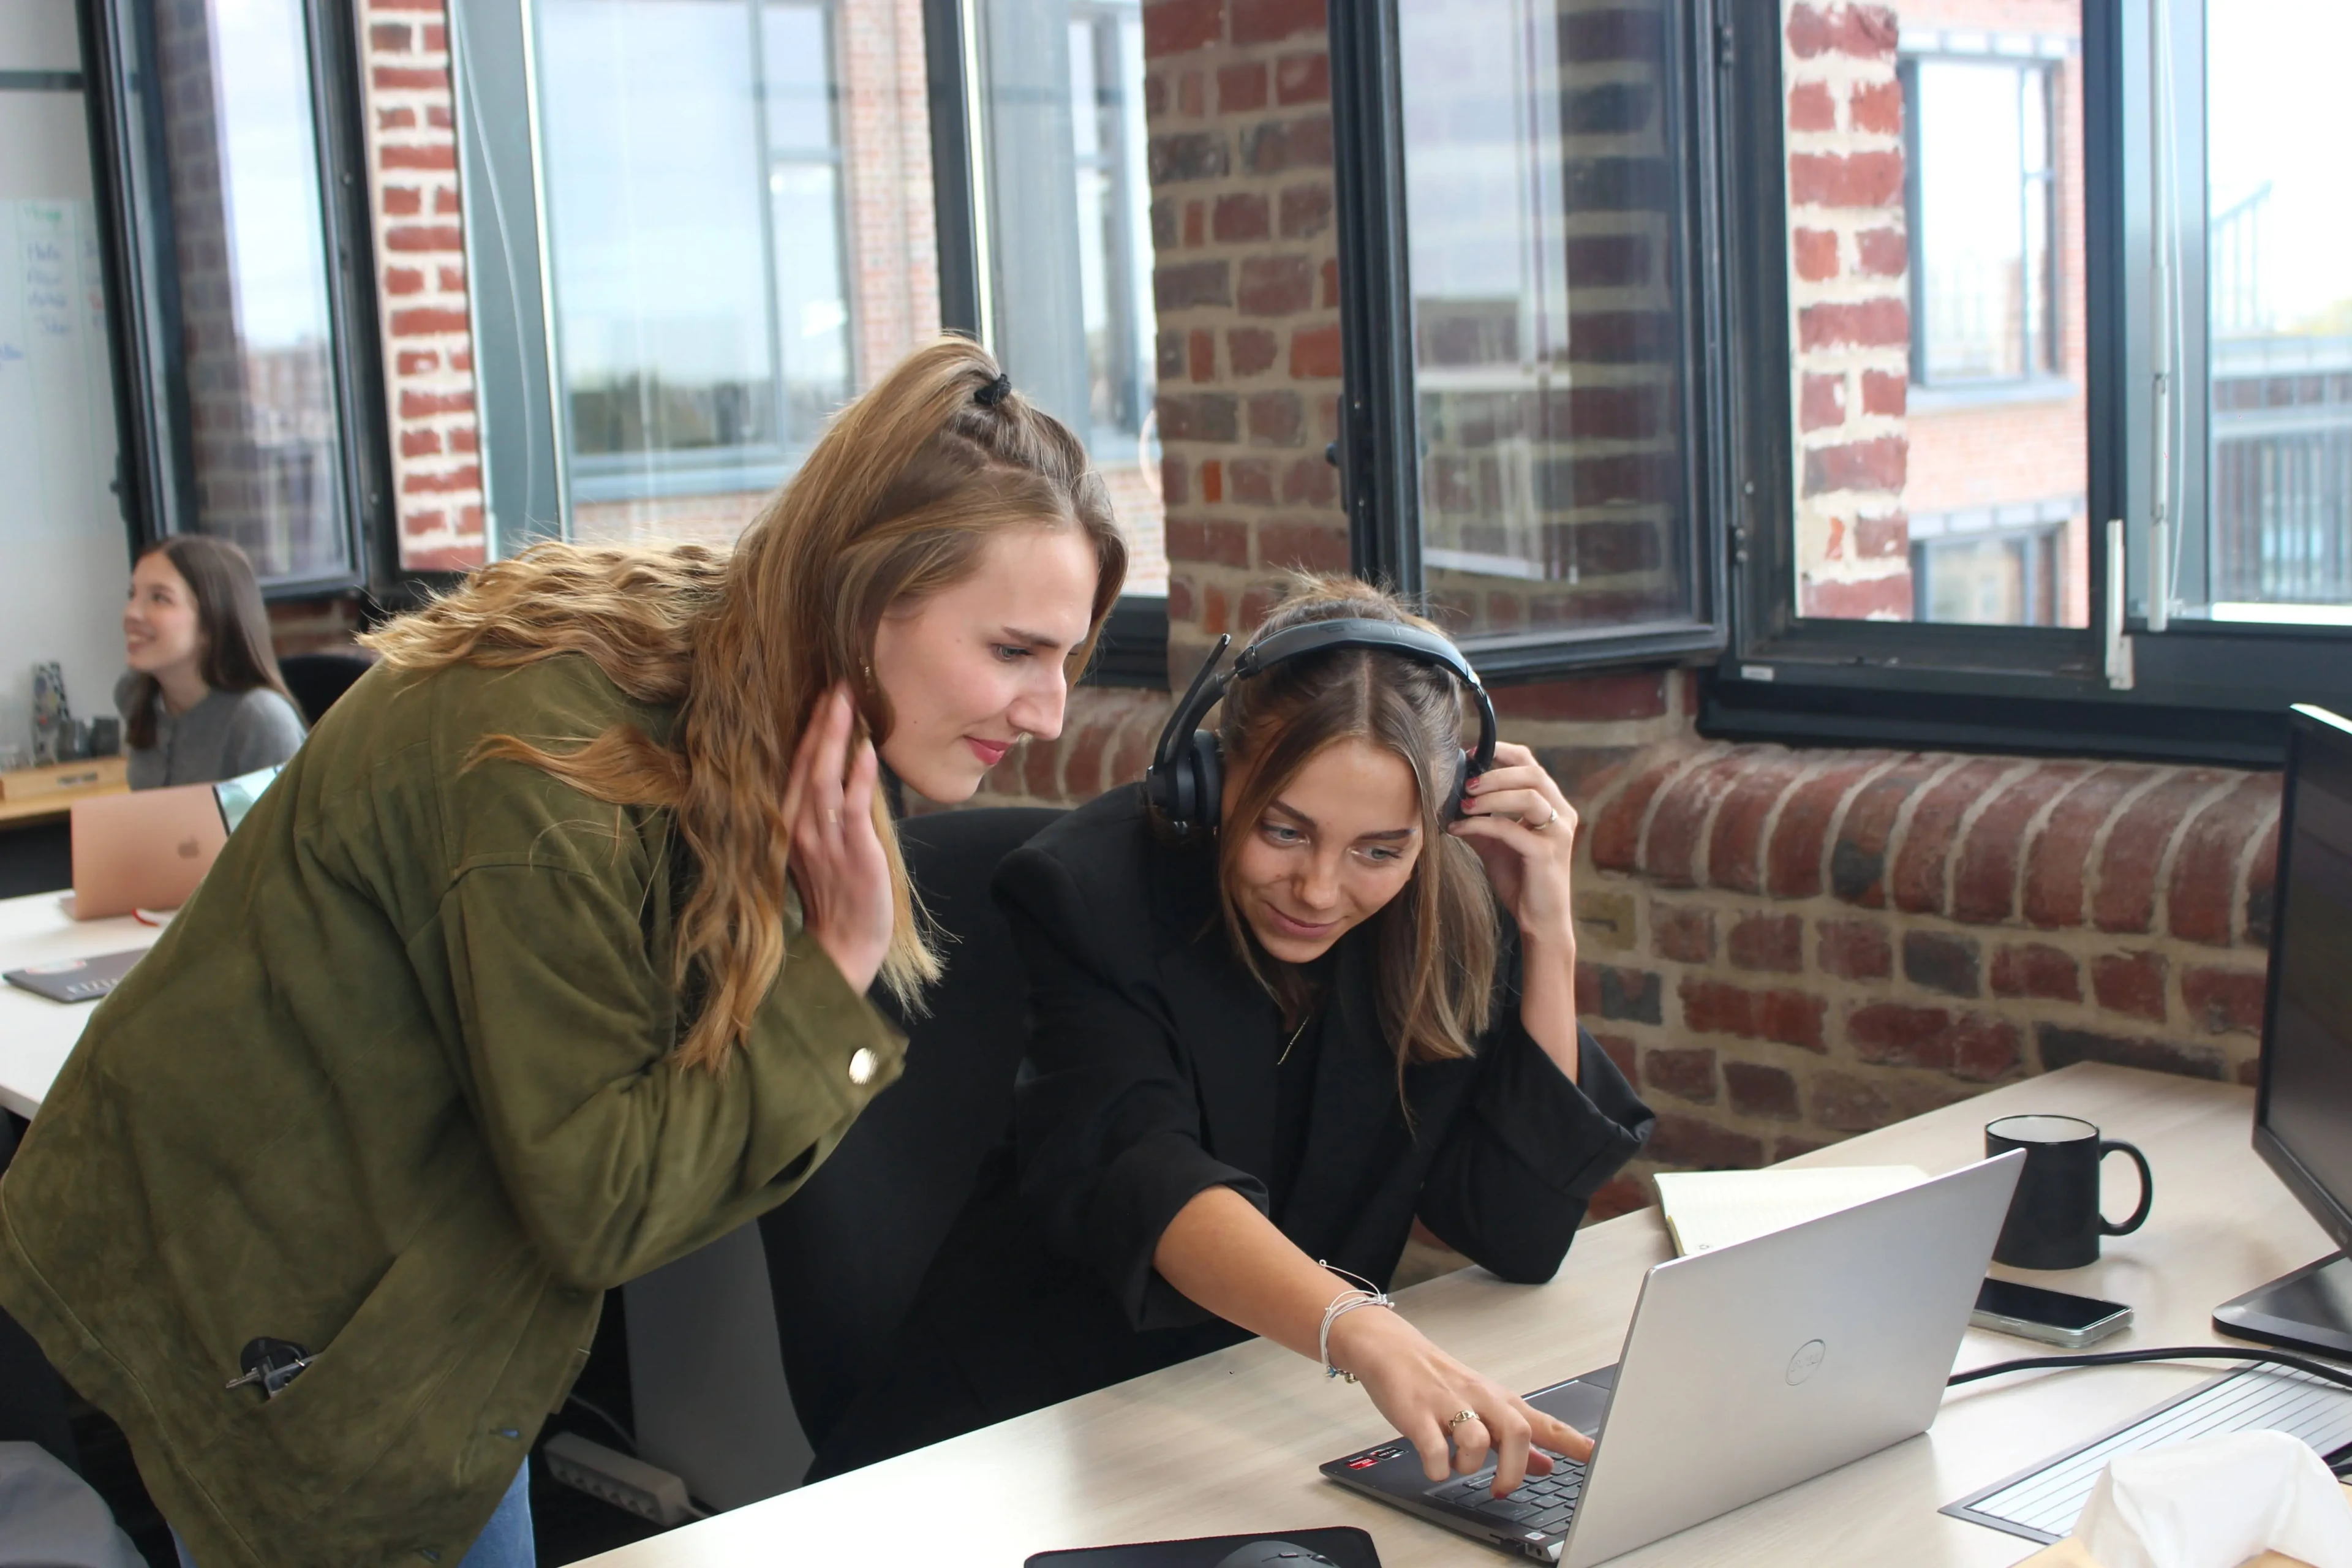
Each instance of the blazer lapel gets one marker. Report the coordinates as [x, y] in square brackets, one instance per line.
[1355, 1095]
[1224, 1023]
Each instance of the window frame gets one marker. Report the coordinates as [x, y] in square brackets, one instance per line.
[670, 473]
[526, 484]
[2196, 692]
[1132, 650]
[156, 481]
[2033, 383]
[1378, 452]
[1120, 163]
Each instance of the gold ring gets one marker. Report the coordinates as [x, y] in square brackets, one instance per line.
[1545, 825]
[1460, 1417]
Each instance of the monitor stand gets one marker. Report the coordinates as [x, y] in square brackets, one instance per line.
[2309, 1309]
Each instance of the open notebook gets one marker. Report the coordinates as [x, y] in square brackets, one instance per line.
[1706, 1209]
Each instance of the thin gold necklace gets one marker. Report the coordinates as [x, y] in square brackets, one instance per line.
[1294, 1037]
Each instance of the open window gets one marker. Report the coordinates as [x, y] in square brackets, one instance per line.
[238, 244]
[1952, 326]
[1526, 195]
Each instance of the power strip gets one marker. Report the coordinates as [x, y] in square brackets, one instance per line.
[626, 1483]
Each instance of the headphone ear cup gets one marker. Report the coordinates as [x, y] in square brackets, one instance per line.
[1456, 791]
[1204, 767]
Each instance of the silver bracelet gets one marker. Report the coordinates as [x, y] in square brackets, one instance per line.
[1345, 1302]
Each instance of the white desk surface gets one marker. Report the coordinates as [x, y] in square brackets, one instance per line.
[1229, 1443]
[37, 1034]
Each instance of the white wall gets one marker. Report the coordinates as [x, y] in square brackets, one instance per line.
[64, 555]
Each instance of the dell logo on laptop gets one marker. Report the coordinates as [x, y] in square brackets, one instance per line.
[1806, 1361]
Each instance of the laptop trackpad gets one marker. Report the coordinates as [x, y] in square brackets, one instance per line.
[1582, 1403]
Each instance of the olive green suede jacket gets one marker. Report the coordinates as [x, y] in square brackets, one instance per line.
[394, 1085]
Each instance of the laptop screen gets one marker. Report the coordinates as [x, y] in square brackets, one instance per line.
[236, 795]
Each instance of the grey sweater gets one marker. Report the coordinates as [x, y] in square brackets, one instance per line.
[228, 733]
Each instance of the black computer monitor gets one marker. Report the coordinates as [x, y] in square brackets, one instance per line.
[2303, 1108]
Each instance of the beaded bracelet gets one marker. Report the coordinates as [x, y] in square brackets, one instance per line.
[1345, 1302]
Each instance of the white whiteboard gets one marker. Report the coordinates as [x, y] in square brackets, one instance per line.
[57, 408]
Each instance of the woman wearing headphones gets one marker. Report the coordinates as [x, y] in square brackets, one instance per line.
[1276, 1020]
[543, 962]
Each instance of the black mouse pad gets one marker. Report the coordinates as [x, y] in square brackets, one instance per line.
[1343, 1544]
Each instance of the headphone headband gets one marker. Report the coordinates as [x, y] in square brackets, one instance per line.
[1184, 786]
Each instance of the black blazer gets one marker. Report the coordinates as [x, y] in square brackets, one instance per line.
[1149, 1077]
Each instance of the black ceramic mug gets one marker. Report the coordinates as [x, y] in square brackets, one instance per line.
[2055, 1220]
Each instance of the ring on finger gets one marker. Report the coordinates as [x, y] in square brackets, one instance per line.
[1545, 825]
[1457, 1418]
[833, 817]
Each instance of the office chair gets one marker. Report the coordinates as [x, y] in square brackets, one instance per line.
[847, 1254]
[32, 1397]
[316, 679]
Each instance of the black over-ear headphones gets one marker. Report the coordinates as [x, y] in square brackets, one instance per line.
[1185, 783]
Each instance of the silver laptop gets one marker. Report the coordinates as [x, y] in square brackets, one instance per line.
[1747, 1369]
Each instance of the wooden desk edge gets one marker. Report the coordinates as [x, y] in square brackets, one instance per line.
[48, 807]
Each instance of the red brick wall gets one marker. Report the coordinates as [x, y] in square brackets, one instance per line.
[1850, 314]
[1795, 946]
[428, 352]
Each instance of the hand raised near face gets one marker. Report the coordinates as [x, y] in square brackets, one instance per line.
[1524, 832]
[837, 861]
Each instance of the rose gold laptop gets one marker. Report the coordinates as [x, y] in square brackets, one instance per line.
[145, 850]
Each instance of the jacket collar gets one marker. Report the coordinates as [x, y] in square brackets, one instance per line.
[1229, 1030]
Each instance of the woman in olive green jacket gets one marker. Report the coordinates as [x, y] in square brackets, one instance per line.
[543, 962]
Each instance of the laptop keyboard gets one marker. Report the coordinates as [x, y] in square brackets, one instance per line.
[1542, 1502]
[2047, 1502]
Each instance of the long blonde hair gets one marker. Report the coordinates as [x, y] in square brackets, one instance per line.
[1437, 942]
[895, 504]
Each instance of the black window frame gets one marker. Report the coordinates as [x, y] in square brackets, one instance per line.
[524, 478]
[1378, 449]
[2196, 692]
[154, 484]
[2033, 383]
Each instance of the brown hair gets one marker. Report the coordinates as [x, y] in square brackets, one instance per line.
[896, 503]
[1436, 941]
[231, 620]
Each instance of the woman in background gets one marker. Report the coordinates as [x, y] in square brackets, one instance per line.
[203, 700]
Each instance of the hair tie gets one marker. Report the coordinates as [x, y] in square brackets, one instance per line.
[995, 393]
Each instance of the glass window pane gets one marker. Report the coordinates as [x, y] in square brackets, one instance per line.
[665, 327]
[799, 55]
[1068, 227]
[1971, 221]
[249, 233]
[740, 233]
[2279, 272]
[1935, 185]
[811, 303]
[1543, 203]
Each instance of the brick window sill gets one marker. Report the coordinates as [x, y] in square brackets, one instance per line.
[1786, 947]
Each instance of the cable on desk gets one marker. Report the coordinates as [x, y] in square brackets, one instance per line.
[2334, 1375]
[2339, 1463]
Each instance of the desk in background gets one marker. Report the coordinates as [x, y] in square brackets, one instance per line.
[37, 1034]
[36, 795]
[1228, 1444]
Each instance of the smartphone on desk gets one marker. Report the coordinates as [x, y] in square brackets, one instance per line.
[2053, 1316]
